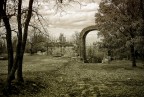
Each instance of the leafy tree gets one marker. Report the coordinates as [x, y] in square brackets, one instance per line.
[49, 45]
[37, 42]
[120, 19]
[62, 41]
[76, 42]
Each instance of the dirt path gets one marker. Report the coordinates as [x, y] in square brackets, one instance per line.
[101, 80]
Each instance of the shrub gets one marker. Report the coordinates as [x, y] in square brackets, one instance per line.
[97, 58]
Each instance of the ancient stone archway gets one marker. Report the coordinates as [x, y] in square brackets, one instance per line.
[83, 35]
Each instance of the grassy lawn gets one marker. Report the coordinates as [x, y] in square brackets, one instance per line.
[63, 77]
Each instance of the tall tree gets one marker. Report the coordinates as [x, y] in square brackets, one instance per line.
[62, 41]
[120, 17]
[19, 44]
[76, 42]
[5, 19]
[16, 64]
[37, 42]
[25, 34]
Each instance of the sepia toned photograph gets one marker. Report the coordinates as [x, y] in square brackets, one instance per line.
[71, 48]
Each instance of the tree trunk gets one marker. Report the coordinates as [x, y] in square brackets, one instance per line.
[19, 71]
[142, 8]
[142, 15]
[31, 49]
[47, 49]
[9, 44]
[8, 36]
[133, 58]
[19, 45]
[132, 48]
[10, 77]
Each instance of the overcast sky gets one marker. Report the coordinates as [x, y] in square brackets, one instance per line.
[71, 18]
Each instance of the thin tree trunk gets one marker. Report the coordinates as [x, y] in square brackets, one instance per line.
[47, 49]
[8, 36]
[19, 45]
[9, 44]
[142, 15]
[142, 8]
[20, 76]
[132, 49]
[31, 49]
[133, 58]
[19, 70]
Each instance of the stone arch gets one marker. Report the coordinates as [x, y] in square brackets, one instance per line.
[83, 35]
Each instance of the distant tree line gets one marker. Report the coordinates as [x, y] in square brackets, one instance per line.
[45, 43]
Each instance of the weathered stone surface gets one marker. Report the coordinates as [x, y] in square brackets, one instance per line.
[83, 35]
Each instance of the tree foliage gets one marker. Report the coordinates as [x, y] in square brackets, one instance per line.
[37, 42]
[120, 21]
[76, 42]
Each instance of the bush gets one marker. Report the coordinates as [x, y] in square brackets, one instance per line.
[96, 58]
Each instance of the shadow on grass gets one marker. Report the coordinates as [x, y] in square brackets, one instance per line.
[29, 87]
[113, 65]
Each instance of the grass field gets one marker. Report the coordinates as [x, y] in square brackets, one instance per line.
[64, 77]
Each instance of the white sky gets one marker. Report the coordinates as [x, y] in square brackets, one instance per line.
[71, 18]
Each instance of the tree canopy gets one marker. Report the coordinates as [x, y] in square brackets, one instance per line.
[121, 23]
